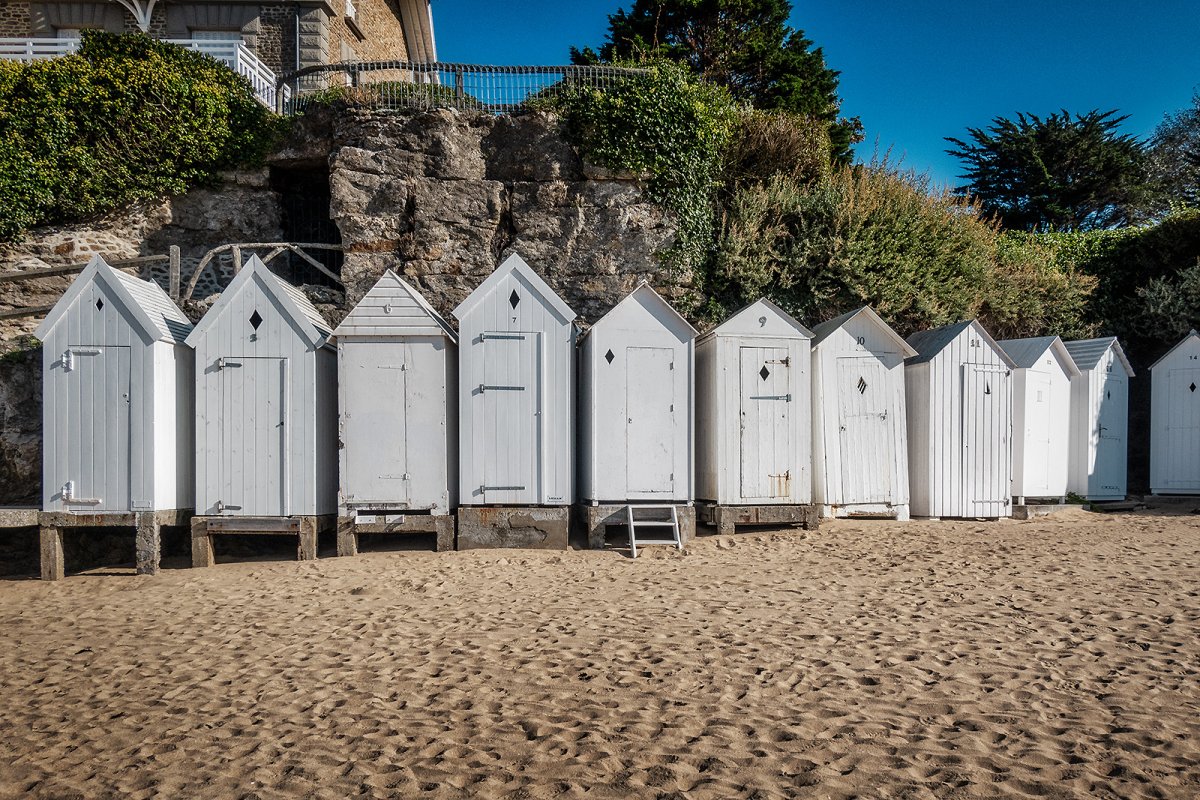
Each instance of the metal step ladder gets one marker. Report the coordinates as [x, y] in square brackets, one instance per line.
[634, 524]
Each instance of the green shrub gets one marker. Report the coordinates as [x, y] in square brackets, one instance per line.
[873, 234]
[768, 144]
[127, 118]
[1035, 291]
[665, 124]
[1146, 291]
[864, 235]
[392, 94]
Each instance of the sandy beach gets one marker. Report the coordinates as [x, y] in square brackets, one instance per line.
[1053, 658]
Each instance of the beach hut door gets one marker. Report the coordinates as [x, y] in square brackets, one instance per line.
[767, 458]
[1183, 428]
[96, 383]
[374, 422]
[986, 451]
[650, 420]
[1111, 423]
[865, 431]
[510, 404]
[253, 436]
[1038, 425]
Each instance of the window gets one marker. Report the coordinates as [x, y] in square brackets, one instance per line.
[350, 9]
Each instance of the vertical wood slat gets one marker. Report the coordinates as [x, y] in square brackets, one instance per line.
[544, 365]
[1175, 419]
[281, 338]
[173, 276]
[618, 396]
[106, 430]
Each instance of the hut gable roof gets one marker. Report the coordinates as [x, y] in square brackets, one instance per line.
[150, 310]
[822, 332]
[930, 343]
[392, 307]
[1191, 335]
[1026, 353]
[516, 266]
[762, 317]
[294, 302]
[1086, 353]
[644, 306]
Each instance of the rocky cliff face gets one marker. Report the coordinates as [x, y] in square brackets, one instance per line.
[440, 197]
[20, 426]
[443, 197]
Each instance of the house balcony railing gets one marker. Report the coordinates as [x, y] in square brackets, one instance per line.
[233, 54]
[466, 87]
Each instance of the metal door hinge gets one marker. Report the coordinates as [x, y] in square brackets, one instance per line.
[222, 507]
[483, 387]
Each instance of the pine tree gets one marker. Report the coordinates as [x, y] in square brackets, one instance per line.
[1063, 172]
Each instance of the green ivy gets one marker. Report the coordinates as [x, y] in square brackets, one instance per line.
[668, 126]
[127, 118]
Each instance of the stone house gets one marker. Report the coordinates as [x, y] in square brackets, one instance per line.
[282, 36]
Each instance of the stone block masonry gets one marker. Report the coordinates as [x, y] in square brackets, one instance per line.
[14, 19]
[444, 196]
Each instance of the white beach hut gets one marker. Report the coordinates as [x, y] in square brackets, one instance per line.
[754, 418]
[117, 411]
[860, 442]
[1041, 416]
[398, 373]
[1099, 453]
[958, 389]
[266, 414]
[1175, 419]
[516, 407]
[636, 409]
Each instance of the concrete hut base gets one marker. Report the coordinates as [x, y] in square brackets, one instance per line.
[148, 537]
[533, 527]
[305, 528]
[351, 526]
[726, 519]
[1022, 509]
[596, 520]
[866, 511]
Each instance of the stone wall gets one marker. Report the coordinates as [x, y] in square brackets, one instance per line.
[14, 19]
[243, 208]
[374, 35]
[444, 196]
[20, 426]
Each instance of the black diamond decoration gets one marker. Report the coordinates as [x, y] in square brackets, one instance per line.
[255, 320]
[1192, 388]
[1108, 395]
[764, 373]
[513, 299]
[609, 356]
[99, 303]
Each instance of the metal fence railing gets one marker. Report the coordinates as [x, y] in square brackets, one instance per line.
[425, 86]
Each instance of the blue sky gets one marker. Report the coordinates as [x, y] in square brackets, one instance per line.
[919, 71]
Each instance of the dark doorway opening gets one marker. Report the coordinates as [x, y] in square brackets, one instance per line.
[304, 195]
